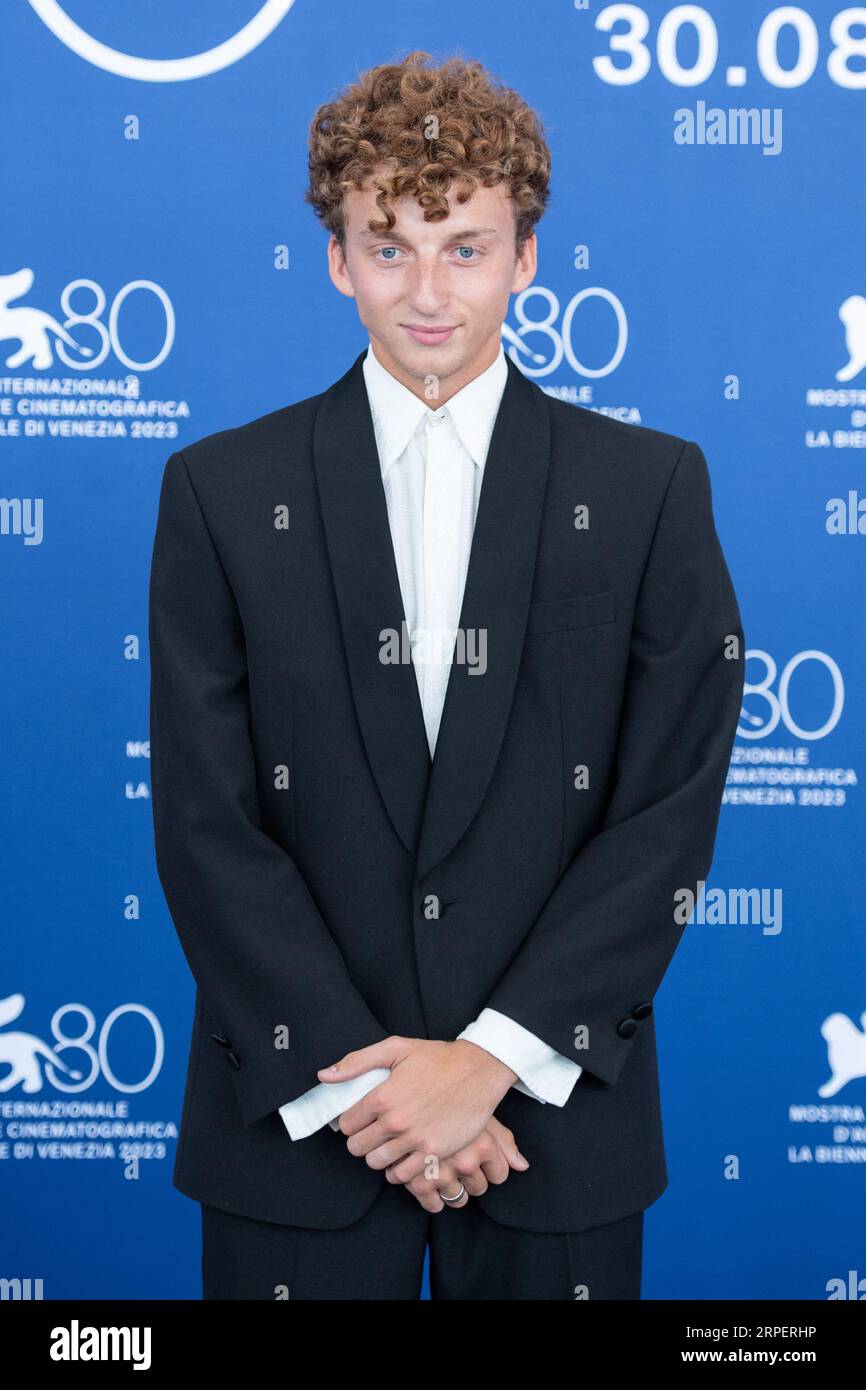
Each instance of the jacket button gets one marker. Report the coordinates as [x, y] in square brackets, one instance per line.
[218, 1038]
[642, 1011]
[234, 1059]
[627, 1028]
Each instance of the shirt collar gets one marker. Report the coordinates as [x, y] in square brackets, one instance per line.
[397, 411]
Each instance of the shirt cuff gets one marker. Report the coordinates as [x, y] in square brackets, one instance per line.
[320, 1105]
[544, 1074]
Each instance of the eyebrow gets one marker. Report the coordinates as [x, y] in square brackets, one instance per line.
[463, 235]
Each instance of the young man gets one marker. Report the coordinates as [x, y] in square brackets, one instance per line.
[445, 678]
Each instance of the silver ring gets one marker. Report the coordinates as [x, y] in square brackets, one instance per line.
[456, 1198]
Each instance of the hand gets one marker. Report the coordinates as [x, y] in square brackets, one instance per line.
[438, 1098]
[488, 1159]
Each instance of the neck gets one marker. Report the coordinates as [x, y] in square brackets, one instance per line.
[449, 384]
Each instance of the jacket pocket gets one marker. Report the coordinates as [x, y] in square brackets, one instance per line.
[562, 614]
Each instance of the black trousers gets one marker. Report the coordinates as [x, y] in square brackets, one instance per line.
[382, 1257]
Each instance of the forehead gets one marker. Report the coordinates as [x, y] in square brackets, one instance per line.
[488, 209]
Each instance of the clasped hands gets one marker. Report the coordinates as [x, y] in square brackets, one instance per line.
[430, 1125]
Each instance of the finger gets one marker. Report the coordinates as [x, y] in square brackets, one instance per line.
[434, 1173]
[363, 1138]
[508, 1145]
[404, 1166]
[379, 1054]
[448, 1181]
[474, 1182]
[496, 1168]
[466, 1167]
[425, 1192]
[429, 1186]
[480, 1163]
[380, 1148]
[363, 1113]
[469, 1164]
[491, 1158]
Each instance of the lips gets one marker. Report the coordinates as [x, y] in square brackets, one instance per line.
[429, 336]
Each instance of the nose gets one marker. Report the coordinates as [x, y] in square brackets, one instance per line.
[428, 289]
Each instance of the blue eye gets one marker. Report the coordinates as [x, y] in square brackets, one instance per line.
[389, 253]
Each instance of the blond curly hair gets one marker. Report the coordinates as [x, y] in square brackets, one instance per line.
[423, 127]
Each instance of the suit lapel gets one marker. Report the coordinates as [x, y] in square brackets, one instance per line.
[431, 807]
[364, 570]
[496, 602]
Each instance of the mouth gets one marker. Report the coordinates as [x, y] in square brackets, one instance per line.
[429, 336]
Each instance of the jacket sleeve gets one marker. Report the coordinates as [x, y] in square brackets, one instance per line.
[261, 955]
[585, 976]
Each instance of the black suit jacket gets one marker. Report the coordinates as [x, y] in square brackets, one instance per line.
[300, 826]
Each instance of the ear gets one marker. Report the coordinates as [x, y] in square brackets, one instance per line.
[338, 269]
[526, 265]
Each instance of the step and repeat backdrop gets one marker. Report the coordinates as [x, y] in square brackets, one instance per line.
[701, 271]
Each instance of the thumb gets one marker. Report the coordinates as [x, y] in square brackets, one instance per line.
[379, 1054]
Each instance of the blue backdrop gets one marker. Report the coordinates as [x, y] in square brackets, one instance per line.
[698, 273]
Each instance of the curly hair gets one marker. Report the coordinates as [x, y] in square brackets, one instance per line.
[421, 128]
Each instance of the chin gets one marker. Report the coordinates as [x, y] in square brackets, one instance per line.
[450, 354]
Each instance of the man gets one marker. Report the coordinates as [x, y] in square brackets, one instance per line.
[445, 678]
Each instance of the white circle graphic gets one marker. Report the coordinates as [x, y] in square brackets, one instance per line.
[263, 23]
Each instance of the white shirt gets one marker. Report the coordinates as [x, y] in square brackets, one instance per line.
[432, 465]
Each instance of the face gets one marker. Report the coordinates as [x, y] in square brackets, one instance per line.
[433, 295]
